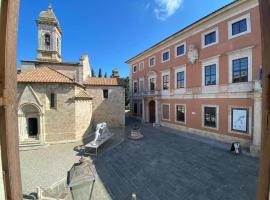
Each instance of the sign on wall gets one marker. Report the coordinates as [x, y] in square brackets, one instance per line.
[240, 120]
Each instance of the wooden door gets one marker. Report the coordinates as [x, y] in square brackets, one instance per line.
[152, 113]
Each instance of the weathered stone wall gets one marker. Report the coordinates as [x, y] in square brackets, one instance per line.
[111, 110]
[59, 122]
[83, 116]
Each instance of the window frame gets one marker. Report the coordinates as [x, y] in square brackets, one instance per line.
[208, 32]
[149, 61]
[141, 80]
[104, 90]
[141, 64]
[162, 116]
[135, 87]
[246, 52]
[231, 22]
[169, 58]
[165, 73]
[207, 62]
[179, 45]
[133, 67]
[185, 114]
[240, 70]
[53, 103]
[217, 117]
[176, 70]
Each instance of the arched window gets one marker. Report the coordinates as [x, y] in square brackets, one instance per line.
[47, 40]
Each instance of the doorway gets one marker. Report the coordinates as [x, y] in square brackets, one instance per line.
[32, 124]
[152, 111]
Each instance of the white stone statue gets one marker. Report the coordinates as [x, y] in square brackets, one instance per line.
[102, 132]
[192, 54]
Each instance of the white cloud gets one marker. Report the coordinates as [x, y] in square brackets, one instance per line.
[166, 8]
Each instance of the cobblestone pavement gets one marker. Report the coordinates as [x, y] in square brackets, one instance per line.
[164, 165]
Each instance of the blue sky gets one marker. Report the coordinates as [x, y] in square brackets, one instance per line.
[109, 31]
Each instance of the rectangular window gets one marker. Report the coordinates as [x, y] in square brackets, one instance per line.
[141, 66]
[180, 82]
[180, 113]
[165, 80]
[141, 109]
[240, 70]
[165, 56]
[166, 111]
[152, 84]
[135, 87]
[52, 100]
[210, 117]
[152, 61]
[239, 27]
[239, 122]
[141, 85]
[105, 94]
[210, 38]
[210, 75]
[135, 108]
[180, 50]
[134, 68]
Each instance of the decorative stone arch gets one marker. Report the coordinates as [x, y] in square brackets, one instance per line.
[31, 123]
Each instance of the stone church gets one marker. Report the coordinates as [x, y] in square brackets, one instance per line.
[61, 101]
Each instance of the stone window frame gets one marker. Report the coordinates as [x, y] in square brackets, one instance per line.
[164, 104]
[141, 80]
[133, 88]
[231, 22]
[141, 66]
[207, 62]
[246, 52]
[166, 51]
[54, 107]
[149, 63]
[104, 98]
[135, 67]
[182, 68]
[151, 75]
[217, 117]
[216, 30]
[249, 108]
[185, 49]
[166, 73]
[185, 106]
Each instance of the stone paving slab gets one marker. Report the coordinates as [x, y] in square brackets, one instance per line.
[169, 166]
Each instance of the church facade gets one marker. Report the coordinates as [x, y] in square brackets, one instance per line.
[61, 101]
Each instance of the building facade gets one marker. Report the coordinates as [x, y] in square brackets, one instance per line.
[205, 78]
[61, 101]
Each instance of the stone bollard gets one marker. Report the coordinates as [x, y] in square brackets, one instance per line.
[133, 196]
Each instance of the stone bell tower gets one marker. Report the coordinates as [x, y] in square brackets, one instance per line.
[49, 37]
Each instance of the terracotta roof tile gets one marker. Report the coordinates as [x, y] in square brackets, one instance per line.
[83, 95]
[44, 75]
[102, 81]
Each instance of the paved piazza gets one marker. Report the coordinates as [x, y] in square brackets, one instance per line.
[163, 165]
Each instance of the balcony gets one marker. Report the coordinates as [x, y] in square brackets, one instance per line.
[147, 93]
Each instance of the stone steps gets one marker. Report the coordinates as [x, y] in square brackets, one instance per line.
[31, 145]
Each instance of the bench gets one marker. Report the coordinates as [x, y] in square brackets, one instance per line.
[102, 135]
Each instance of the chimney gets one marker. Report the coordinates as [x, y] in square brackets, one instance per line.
[115, 73]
